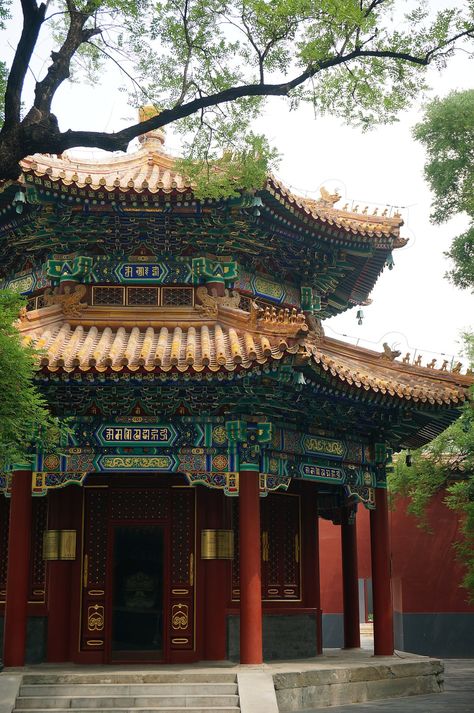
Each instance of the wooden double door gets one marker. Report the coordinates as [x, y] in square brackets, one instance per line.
[138, 574]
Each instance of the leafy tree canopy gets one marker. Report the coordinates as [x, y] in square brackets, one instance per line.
[209, 64]
[446, 464]
[447, 133]
[24, 416]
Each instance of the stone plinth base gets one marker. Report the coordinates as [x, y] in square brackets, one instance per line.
[322, 687]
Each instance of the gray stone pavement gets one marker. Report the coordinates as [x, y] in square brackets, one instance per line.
[458, 696]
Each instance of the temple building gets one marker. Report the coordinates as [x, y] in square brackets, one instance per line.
[213, 423]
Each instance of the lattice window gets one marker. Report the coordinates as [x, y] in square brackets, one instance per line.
[108, 296]
[236, 560]
[280, 548]
[182, 535]
[40, 301]
[31, 303]
[96, 535]
[177, 297]
[37, 564]
[142, 296]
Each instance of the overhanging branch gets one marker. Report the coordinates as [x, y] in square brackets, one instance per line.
[121, 139]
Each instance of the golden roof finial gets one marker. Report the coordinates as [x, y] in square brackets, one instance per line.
[154, 139]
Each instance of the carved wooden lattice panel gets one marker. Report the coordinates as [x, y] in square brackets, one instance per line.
[280, 543]
[39, 517]
[181, 616]
[177, 296]
[94, 572]
[281, 547]
[4, 519]
[142, 296]
[143, 504]
[235, 561]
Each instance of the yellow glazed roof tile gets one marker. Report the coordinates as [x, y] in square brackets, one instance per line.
[213, 347]
[370, 371]
[151, 170]
[223, 347]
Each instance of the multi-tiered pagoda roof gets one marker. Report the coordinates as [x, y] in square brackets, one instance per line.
[135, 212]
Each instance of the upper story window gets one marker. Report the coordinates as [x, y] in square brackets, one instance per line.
[143, 296]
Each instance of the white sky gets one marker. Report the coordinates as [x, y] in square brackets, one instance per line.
[414, 307]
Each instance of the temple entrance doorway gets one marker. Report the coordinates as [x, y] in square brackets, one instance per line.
[138, 575]
[138, 571]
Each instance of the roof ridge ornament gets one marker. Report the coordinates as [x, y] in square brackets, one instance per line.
[328, 199]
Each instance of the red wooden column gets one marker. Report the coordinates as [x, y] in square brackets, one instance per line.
[350, 584]
[310, 562]
[381, 573]
[18, 568]
[251, 651]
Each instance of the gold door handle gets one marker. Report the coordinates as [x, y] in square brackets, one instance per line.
[265, 546]
[191, 570]
[85, 571]
[297, 549]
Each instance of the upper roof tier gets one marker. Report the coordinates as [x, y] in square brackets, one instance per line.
[150, 170]
[128, 202]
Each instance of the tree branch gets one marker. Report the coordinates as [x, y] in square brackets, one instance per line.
[121, 139]
[33, 17]
[60, 67]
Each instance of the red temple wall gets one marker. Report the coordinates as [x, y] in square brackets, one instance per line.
[426, 573]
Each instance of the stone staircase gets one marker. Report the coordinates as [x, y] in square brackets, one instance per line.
[128, 692]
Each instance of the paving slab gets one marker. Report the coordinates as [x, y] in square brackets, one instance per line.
[9, 687]
[257, 692]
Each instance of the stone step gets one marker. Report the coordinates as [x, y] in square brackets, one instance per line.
[177, 700]
[166, 709]
[129, 677]
[127, 689]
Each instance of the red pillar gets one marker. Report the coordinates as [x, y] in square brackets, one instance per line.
[310, 562]
[381, 572]
[350, 584]
[18, 569]
[250, 569]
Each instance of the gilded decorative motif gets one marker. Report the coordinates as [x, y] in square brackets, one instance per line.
[314, 472]
[219, 435]
[69, 300]
[180, 617]
[22, 284]
[136, 435]
[95, 617]
[220, 462]
[328, 446]
[51, 462]
[268, 288]
[277, 321]
[136, 462]
[210, 302]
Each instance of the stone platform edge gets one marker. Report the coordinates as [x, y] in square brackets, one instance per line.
[321, 688]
